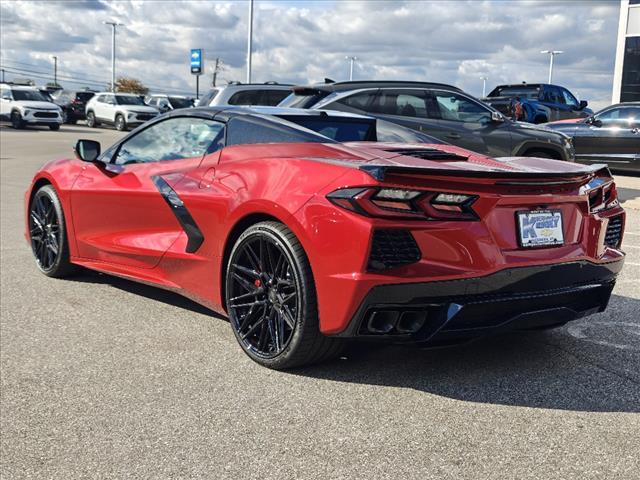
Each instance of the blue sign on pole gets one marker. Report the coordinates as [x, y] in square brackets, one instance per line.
[196, 61]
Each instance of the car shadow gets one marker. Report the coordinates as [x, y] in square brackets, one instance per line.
[625, 193]
[550, 370]
[38, 129]
[147, 291]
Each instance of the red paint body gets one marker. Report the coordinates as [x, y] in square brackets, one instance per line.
[120, 224]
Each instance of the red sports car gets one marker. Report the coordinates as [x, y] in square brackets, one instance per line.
[305, 231]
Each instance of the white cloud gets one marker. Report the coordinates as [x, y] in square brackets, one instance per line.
[296, 41]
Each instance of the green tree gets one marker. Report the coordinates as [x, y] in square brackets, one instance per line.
[131, 85]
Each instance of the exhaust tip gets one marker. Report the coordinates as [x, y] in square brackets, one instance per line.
[411, 322]
[382, 321]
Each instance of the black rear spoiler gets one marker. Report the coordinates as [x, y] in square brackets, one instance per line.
[379, 172]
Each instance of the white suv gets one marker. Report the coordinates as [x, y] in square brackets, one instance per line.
[22, 106]
[123, 110]
[267, 94]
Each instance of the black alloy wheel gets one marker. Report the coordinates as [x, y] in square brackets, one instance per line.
[270, 298]
[47, 234]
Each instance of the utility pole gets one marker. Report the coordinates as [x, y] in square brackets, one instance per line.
[249, 41]
[215, 72]
[552, 53]
[55, 69]
[484, 86]
[113, 24]
[351, 61]
[3, 75]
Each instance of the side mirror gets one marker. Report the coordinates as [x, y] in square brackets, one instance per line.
[497, 117]
[593, 121]
[583, 104]
[87, 150]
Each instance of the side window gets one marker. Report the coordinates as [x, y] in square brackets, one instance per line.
[555, 95]
[360, 101]
[272, 98]
[404, 103]
[171, 139]
[248, 97]
[569, 99]
[207, 97]
[456, 108]
[100, 99]
[6, 94]
[623, 117]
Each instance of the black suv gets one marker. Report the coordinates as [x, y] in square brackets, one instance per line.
[72, 103]
[442, 111]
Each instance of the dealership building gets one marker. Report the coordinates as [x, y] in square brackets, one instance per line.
[626, 76]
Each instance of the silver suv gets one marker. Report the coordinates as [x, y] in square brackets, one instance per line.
[22, 106]
[123, 110]
[265, 94]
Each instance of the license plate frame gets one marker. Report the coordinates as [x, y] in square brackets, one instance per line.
[543, 231]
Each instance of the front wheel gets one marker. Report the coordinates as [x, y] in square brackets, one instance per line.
[54, 126]
[48, 235]
[271, 299]
[16, 120]
[121, 125]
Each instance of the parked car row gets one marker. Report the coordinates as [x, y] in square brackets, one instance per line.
[25, 105]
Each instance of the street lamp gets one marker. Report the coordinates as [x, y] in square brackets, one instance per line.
[351, 61]
[113, 24]
[552, 53]
[249, 41]
[55, 69]
[484, 86]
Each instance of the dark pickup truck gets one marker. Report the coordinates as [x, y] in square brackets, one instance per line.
[537, 102]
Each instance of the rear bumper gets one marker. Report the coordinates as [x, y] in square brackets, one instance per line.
[455, 311]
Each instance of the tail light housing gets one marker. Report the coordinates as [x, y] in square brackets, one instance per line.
[398, 203]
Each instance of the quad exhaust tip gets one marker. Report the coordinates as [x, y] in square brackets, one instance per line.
[391, 321]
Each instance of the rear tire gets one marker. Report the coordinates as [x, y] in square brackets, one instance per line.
[91, 120]
[540, 119]
[271, 300]
[48, 234]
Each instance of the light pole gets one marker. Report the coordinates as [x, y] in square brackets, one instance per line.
[249, 41]
[351, 61]
[552, 53]
[484, 86]
[113, 24]
[55, 69]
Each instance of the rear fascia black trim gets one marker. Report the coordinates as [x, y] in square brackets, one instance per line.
[188, 224]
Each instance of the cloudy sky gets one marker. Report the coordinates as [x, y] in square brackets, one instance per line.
[454, 42]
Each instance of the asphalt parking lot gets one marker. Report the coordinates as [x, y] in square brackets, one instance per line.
[104, 378]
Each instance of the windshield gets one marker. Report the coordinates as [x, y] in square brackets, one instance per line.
[338, 130]
[129, 100]
[516, 91]
[32, 95]
[178, 102]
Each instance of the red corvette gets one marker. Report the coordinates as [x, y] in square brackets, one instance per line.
[304, 241]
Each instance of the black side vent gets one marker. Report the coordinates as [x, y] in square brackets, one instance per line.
[392, 248]
[613, 237]
[427, 153]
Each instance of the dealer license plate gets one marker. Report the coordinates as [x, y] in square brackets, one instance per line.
[540, 228]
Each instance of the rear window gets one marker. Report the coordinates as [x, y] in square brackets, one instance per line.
[515, 91]
[84, 96]
[243, 130]
[179, 102]
[248, 97]
[338, 130]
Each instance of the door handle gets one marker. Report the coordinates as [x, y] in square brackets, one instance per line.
[453, 135]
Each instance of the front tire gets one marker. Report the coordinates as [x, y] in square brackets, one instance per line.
[16, 121]
[271, 299]
[48, 234]
[121, 125]
[54, 127]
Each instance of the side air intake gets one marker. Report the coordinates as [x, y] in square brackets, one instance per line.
[392, 248]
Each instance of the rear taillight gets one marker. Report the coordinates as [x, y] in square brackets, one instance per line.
[602, 195]
[400, 203]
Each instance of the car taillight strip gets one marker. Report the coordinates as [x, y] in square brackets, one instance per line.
[405, 203]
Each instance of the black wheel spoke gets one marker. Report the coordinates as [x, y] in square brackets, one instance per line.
[44, 230]
[262, 295]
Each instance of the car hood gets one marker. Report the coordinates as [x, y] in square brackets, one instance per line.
[37, 105]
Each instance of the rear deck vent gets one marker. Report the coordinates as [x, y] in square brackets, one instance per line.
[427, 153]
[613, 237]
[392, 248]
